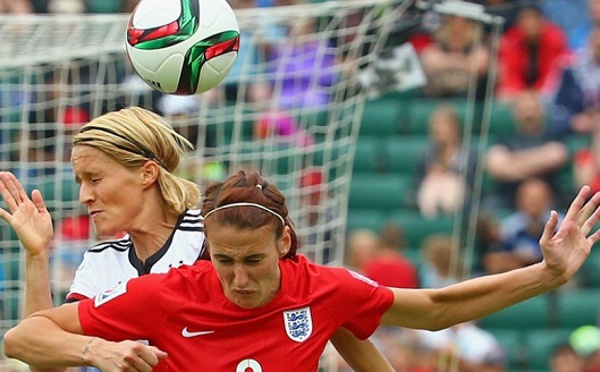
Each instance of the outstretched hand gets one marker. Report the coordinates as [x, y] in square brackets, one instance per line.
[566, 250]
[28, 217]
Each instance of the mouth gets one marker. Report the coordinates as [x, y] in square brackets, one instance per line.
[94, 213]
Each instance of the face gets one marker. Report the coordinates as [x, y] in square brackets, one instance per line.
[111, 193]
[531, 23]
[444, 130]
[529, 114]
[247, 262]
[534, 198]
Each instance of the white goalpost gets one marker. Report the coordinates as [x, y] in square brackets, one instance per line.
[291, 108]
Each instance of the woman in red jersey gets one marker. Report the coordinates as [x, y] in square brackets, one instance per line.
[260, 306]
[125, 163]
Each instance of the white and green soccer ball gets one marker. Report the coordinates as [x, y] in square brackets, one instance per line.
[182, 46]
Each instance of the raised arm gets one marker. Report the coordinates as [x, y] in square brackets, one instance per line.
[564, 253]
[54, 338]
[32, 223]
[361, 355]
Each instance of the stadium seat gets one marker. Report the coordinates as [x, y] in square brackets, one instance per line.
[381, 118]
[402, 153]
[589, 275]
[54, 189]
[379, 191]
[540, 345]
[371, 219]
[421, 109]
[501, 120]
[577, 307]
[12, 267]
[416, 228]
[530, 314]
[513, 344]
[577, 142]
[369, 155]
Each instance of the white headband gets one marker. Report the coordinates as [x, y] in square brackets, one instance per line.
[255, 205]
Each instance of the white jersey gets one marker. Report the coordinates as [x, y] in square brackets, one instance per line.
[110, 263]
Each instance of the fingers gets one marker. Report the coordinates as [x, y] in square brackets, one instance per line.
[7, 195]
[577, 203]
[143, 358]
[549, 228]
[12, 191]
[593, 239]
[589, 214]
[38, 200]
[159, 353]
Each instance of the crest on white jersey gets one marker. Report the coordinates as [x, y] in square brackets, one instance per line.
[298, 324]
[110, 294]
[363, 278]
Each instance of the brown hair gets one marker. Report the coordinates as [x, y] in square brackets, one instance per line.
[249, 188]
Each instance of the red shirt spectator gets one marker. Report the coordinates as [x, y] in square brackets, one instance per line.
[388, 266]
[393, 271]
[528, 53]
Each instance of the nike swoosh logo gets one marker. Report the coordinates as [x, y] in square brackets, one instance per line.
[187, 334]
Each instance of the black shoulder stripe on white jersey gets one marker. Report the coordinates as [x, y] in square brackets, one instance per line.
[191, 221]
[183, 226]
[120, 245]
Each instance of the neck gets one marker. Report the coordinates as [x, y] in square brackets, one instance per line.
[151, 237]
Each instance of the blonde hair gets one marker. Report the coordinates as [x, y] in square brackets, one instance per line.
[135, 135]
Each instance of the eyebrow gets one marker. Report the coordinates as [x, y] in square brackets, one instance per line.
[255, 255]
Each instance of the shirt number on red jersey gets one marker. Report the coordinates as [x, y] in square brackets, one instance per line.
[248, 365]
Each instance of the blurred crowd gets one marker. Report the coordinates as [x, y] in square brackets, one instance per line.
[548, 77]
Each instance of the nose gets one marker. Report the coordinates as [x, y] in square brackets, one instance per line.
[85, 194]
[240, 276]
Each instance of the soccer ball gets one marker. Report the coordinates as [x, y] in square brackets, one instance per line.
[182, 46]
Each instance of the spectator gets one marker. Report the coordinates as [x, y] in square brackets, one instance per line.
[503, 8]
[528, 53]
[454, 58]
[316, 215]
[66, 6]
[576, 103]
[446, 168]
[16, 6]
[439, 267]
[571, 16]
[305, 65]
[388, 266]
[521, 230]
[361, 247]
[249, 64]
[586, 163]
[493, 256]
[476, 349]
[280, 125]
[579, 35]
[565, 359]
[530, 152]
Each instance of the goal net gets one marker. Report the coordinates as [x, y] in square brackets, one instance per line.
[290, 108]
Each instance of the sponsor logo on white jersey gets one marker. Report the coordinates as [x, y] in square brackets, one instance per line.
[110, 294]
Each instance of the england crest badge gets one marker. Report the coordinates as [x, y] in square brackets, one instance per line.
[298, 324]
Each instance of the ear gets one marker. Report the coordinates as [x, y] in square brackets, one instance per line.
[149, 173]
[285, 242]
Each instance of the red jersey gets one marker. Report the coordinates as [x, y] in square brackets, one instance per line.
[186, 314]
